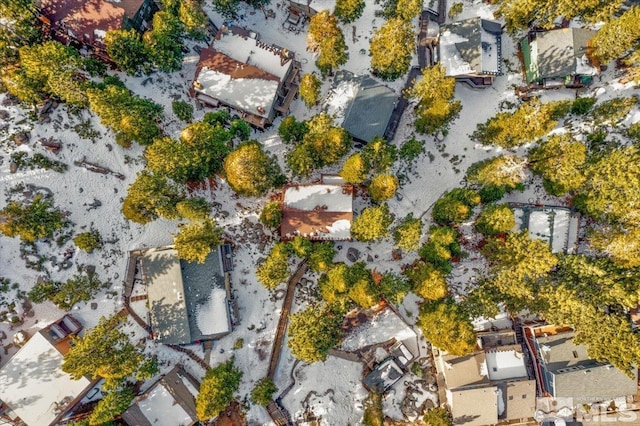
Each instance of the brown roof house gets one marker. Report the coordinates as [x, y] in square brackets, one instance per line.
[32, 383]
[317, 212]
[170, 401]
[488, 387]
[255, 79]
[87, 21]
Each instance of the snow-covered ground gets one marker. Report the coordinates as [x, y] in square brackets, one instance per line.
[331, 390]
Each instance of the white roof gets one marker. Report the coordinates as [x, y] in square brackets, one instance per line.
[381, 328]
[253, 52]
[246, 94]
[160, 408]
[308, 197]
[503, 364]
[212, 316]
[32, 382]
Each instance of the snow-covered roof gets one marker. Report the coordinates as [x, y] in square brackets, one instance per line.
[321, 212]
[379, 329]
[242, 72]
[170, 401]
[187, 301]
[33, 384]
[244, 46]
[470, 47]
[165, 289]
[555, 225]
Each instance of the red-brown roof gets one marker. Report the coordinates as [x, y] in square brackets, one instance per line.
[217, 61]
[83, 17]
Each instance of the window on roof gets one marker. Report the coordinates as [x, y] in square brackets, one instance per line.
[575, 354]
[524, 396]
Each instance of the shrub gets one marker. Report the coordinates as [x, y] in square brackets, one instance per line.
[407, 234]
[262, 393]
[582, 106]
[31, 221]
[455, 10]
[183, 110]
[455, 206]
[88, 241]
[372, 224]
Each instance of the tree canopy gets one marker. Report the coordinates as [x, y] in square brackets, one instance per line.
[618, 35]
[455, 206]
[382, 187]
[250, 171]
[313, 331]
[323, 144]
[217, 389]
[529, 121]
[104, 351]
[391, 48]
[407, 234]
[559, 160]
[506, 171]
[194, 241]
[326, 38]
[496, 219]
[348, 11]
[372, 224]
[32, 220]
[435, 108]
[310, 89]
[151, 196]
[446, 326]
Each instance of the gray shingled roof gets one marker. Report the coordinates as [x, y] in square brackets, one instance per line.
[384, 376]
[558, 50]
[579, 377]
[370, 111]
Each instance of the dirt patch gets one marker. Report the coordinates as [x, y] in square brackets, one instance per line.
[231, 416]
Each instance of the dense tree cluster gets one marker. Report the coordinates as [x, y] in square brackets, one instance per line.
[326, 38]
[275, 268]
[343, 285]
[441, 248]
[312, 332]
[372, 224]
[522, 14]
[81, 287]
[559, 161]
[251, 171]
[446, 326]
[618, 35]
[455, 206]
[496, 219]
[151, 196]
[133, 119]
[436, 108]
[348, 11]
[507, 171]
[262, 393]
[105, 351]
[321, 145]
[217, 389]
[194, 241]
[391, 48]
[528, 122]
